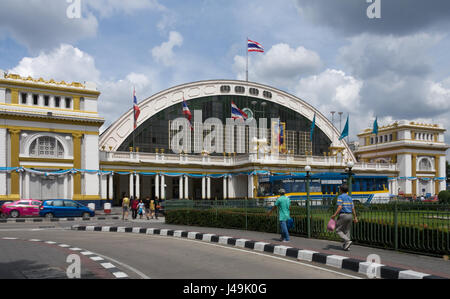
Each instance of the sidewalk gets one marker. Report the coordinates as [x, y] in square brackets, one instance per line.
[394, 260]
[419, 263]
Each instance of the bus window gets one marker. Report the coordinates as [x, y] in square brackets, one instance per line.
[298, 186]
[314, 186]
[264, 189]
[363, 185]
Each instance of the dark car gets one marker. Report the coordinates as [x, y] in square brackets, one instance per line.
[64, 208]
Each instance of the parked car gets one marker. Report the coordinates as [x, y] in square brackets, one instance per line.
[23, 207]
[64, 208]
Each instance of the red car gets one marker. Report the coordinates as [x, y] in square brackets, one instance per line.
[24, 207]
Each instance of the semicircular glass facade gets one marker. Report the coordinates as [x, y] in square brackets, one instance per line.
[155, 134]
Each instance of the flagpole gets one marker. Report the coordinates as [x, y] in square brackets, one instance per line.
[246, 69]
[134, 117]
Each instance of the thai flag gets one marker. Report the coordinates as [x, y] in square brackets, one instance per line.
[254, 46]
[136, 109]
[237, 113]
[187, 113]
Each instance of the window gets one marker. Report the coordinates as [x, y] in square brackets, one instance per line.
[70, 204]
[46, 147]
[425, 165]
[57, 102]
[239, 89]
[254, 91]
[46, 101]
[57, 203]
[35, 99]
[35, 203]
[267, 94]
[23, 98]
[225, 88]
[68, 103]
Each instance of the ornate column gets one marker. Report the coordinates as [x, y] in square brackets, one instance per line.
[131, 184]
[180, 190]
[111, 186]
[157, 185]
[77, 165]
[137, 182]
[208, 188]
[186, 187]
[163, 187]
[414, 173]
[203, 188]
[225, 187]
[14, 155]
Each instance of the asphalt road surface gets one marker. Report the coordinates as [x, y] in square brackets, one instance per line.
[36, 251]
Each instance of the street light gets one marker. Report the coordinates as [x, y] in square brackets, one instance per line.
[350, 165]
[308, 211]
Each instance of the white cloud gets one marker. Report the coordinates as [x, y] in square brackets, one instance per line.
[331, 89]
[164, 52]
[68, 63]
[281, 65]
[64, 63]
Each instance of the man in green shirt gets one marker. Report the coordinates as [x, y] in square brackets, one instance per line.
[283, 204]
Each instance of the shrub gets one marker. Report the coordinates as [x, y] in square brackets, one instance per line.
[444, 197]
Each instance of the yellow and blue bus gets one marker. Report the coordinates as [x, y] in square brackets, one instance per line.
[324, 187]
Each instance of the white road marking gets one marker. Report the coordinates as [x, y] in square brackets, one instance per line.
[120, 275]
[107, 265]
[96, 258]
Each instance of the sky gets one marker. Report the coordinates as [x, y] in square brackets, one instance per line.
[329, 53]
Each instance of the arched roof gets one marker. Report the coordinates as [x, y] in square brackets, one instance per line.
[117, 133]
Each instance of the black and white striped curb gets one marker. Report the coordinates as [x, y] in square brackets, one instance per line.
[94, 257]
[28, 220]
[336, 261]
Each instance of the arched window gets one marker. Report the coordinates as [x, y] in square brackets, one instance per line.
[46, 147]
[425, 165]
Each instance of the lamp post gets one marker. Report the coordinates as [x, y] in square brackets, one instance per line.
[308, 211]
[350, 165]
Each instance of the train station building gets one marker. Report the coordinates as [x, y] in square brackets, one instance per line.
[51, 147]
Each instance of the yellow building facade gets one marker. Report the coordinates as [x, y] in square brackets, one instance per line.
[418, 150]
[47, 129]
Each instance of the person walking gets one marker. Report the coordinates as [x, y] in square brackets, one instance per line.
[344, 211]
[147, 207]
[157, 206]
[134, 206]
[125, 207]
[283, 204]
[141, 209]
[152, 208]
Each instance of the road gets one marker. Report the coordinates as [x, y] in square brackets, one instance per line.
[25, 245]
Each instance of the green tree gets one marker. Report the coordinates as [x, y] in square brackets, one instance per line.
[444, 197]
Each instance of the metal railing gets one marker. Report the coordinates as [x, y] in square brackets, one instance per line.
[414, 227]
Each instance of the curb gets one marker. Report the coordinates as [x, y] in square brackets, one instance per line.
[341, 262]
[28, 220]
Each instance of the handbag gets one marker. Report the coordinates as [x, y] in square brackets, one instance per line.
[331, 226]
[290, 223]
